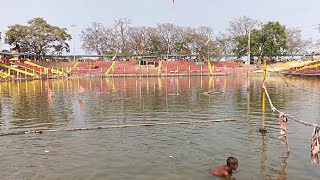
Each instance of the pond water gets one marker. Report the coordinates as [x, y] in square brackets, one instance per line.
[173, 151]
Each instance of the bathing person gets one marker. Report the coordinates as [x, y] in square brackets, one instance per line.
[225, 170]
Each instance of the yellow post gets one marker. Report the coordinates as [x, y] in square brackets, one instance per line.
[62, 69]
[212, 68]
[124, 71]
[178, 69]
[189, 69]
[160, 67]
[201, 69]
[159, 83]
[264, 70]
[147, 70]
[263, 102]
[263, 129]
[167, 70]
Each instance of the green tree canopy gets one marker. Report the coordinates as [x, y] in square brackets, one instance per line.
[38, 37]
[269, 41]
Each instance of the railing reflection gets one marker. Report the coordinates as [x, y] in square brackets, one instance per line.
[39, 98]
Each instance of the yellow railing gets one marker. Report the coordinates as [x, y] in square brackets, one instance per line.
[289, 65]
[312, 66]
[74, 66]
[19, 70]
[33, 64]
[5, 75]
[111, 67]
[54, 71]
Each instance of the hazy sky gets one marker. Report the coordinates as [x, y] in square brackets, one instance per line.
[214, 13]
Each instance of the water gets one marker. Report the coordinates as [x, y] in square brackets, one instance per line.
[157, 152]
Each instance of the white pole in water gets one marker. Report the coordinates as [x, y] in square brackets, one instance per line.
[170, 28]
[74, 42]
[248, 59]
[208, 47]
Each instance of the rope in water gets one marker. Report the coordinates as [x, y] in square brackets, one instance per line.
[40, 131]
[290, 116]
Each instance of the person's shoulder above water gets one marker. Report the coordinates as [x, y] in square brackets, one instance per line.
[219, 171]
[225, 170]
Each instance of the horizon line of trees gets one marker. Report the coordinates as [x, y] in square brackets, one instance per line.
[267, 39]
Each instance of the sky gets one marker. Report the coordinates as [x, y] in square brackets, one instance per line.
[194, 13]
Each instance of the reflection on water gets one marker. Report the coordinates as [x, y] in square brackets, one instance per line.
[160, 152]
[284, 164]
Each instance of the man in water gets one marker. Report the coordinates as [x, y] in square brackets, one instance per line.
[225, 170]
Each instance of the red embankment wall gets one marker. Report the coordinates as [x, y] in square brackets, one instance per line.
[182, 67]
[178, 67]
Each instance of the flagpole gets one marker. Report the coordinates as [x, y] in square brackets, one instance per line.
[208, 47]
[170, 28]
[249, 53]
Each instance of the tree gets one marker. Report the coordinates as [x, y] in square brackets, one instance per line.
[241, 26]
[137, 40]
[169, 35]
[225, 43]
[295, 42]
[38, 37]
[317, 45]
[183, 44]
[98, 38]
[156, 46]
[269, 41]
[201, 43]
[121, 28]
[238, 28]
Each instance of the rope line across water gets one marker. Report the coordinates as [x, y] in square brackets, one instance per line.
[290, 116]
[40, 131]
